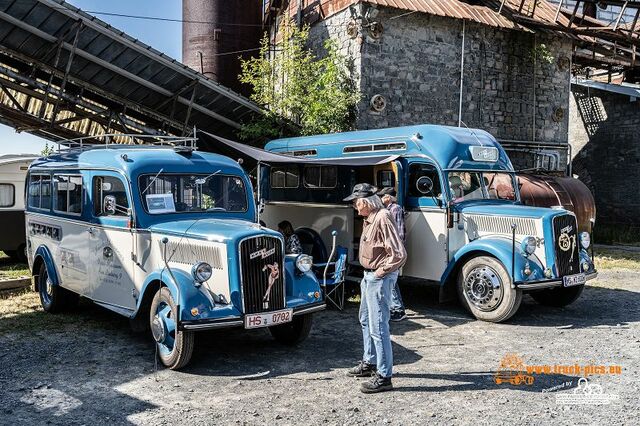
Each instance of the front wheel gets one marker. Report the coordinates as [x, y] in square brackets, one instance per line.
[175, 347]
[293, 332]
[557, 297]
[54, 299]
[484, 289]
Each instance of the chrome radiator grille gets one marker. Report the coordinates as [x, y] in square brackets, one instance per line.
[566, 245]
[499, 225]
[262, 274]
[188, 253]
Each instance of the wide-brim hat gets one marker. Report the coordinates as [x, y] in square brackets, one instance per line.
[362, 190]
[389, 190]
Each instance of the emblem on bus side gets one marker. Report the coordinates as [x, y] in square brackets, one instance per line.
[274, 274]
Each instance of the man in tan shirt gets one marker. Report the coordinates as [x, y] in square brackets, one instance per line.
[382, 254]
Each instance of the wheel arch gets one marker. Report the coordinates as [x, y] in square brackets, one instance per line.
[43, 256]
[448, 282]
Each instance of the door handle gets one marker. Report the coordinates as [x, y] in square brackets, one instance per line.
[91, 230]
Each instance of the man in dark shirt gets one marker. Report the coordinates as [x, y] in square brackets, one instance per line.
[388, 196]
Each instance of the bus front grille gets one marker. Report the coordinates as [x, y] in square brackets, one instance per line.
[262, 274]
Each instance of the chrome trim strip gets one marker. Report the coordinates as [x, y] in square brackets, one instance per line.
[208, 326]
[310, 310]
[302, 204]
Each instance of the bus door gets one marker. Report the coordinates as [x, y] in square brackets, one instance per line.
[111, 242]
[426, 222]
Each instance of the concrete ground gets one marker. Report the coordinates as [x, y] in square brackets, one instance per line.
[88, 368]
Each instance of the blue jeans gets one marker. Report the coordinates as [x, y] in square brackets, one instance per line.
[375, 296]
[396, 303]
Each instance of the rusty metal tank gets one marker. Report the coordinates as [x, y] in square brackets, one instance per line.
[214, 28]
[549, 191]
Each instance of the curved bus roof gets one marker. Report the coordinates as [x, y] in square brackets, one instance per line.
[449, 147]
[141, 159]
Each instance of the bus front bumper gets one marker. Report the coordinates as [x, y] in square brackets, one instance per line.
[537, 285]
[229, 322]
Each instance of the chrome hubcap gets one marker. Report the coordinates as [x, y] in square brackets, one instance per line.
[49, 287]
[157, 329]
[483, 288]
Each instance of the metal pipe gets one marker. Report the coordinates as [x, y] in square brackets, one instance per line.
[513, 255]
[461, 76]
[535, 62]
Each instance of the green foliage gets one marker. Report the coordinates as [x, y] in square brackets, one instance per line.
[295, 86]
[542, 53]
[47, 150]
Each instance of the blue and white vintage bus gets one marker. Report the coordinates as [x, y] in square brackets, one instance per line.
[167, 237]
[467, 229]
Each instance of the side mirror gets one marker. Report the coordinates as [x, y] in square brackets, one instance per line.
[109, 205]
[424, 185]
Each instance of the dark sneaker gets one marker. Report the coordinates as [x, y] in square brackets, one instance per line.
[377, 384]
[363, 369]
[398, 315]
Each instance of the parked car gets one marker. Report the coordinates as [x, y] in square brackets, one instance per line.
[167, 237]
[13, 172]
[467, 229]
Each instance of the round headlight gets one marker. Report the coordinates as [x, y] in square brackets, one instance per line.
[528, 246]
[585, 240]
[304, 263]
[201, 272]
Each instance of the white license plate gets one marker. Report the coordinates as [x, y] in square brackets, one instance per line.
[268, 319]
[571, 280]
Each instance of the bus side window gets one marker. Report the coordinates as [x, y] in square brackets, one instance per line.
[418, 170]
[109, 185]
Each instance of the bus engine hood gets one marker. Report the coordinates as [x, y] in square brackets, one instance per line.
[214, 230]
[488, 208]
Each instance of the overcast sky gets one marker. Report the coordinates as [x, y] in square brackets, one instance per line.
[164, 36]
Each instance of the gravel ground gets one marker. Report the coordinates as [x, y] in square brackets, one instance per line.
[88, 368]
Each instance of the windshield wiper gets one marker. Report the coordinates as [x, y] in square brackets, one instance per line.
[202, 181]
[152, 181]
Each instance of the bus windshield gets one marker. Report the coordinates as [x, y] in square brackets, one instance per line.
[188, 193]
[481, 186]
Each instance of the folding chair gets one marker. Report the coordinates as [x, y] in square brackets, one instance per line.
[333, 283]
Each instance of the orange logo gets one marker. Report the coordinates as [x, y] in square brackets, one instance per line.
[512, 370]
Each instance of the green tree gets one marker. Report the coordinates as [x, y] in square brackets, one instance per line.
[47, 150]
[301, 93]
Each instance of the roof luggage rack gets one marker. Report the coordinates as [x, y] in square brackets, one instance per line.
[121, 140]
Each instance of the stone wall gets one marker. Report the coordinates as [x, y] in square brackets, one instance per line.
[605, 137]
[415, 66]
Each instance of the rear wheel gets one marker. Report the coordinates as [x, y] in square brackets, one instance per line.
[54, 298]
[293, 332]
[557, 297]
[175, 347]
[484, 289]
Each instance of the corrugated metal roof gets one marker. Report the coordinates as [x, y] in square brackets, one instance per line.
[484, 12]
[626, 89]
[106, 71]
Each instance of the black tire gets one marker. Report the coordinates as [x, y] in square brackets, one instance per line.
[20, 255]
[178, 354]
[54, 299]
[293, 332]
[557, 297]
[484, 289]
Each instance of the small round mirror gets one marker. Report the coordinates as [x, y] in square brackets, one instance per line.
[424, 185]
